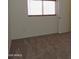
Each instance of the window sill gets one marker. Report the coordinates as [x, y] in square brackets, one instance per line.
[40, 15]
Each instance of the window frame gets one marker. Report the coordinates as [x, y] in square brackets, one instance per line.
[42, 14]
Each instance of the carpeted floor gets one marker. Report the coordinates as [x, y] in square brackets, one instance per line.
[53, 46]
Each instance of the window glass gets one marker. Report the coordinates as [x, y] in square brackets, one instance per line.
[48, 7]
[34, 7]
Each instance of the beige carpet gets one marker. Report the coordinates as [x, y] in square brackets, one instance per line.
[53, 46]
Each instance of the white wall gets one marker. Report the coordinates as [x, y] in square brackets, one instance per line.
[21, 26]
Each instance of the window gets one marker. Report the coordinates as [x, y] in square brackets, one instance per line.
[41, 7]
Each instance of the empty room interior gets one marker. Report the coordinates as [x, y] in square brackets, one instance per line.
[39, 29]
